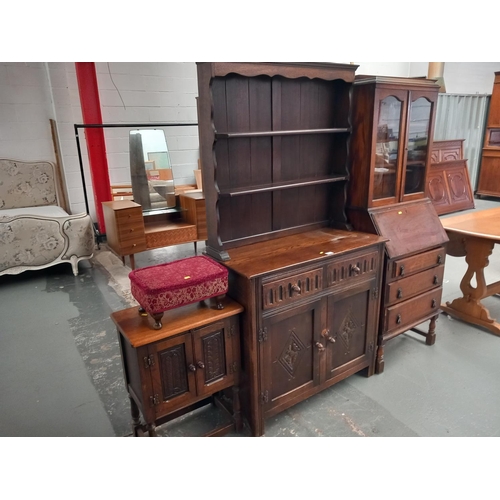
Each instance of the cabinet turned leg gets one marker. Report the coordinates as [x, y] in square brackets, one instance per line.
[136, 417]
[430, 338]
[379, 364]
[152, 430]
[238, 421]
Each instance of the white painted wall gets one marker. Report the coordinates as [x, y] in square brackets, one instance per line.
[25, 111]
[33, 93]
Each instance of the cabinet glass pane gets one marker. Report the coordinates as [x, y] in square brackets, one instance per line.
[418, 135]
[386, 159]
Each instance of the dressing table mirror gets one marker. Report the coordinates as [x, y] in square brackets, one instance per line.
[151, 171]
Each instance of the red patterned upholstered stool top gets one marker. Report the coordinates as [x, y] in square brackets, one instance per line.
[178, 283]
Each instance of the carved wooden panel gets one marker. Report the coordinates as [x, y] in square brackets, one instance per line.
[448, 183]
[448, 150]
[213, 356]
[173, 371]
[449, 187]
[437, 189]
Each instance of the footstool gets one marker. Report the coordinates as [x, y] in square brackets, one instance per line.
[175, 284]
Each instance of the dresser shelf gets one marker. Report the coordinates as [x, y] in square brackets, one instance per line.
[271, 133]
[283, 185]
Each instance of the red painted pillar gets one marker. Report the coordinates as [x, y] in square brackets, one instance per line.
[96, 146]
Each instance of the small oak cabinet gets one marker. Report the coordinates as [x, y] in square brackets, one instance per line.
[171, 371]
[393, 126]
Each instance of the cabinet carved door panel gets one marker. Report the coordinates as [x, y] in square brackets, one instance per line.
[350, 333]
[173, 382]
[213, 357]
[290, 354]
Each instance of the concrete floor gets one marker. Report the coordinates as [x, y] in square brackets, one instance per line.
[60, 367]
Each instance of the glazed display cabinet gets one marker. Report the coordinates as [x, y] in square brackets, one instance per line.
[391, 144]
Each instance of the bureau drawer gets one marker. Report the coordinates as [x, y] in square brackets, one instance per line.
[413, 311]
[406, 288]
[400, 268]
[288, 290]
[350, 267]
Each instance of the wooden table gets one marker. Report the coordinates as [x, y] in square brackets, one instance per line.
[474, 235]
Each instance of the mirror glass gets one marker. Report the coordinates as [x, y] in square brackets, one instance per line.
[151, 171]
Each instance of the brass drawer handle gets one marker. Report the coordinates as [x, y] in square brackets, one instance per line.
[398, 319]
[192, 367]
[436, 280]
[402, 270]
[399, 294]
[295, 288]
[200, 364]
[355, 270]
[439, 259]
[320, 346]
[326, 334]
[433, 303]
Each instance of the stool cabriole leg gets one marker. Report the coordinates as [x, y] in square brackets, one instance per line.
[219, 300]
[157, 317]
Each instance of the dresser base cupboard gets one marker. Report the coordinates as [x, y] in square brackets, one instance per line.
[311, 306]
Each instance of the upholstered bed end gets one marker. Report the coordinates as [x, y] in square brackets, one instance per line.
[35, 232]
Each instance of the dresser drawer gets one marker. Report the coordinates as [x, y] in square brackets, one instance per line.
[131, 230]
[292, 288]
[129, 215]
[128, 247]
[351, 267]
[400, 268]
[412, 310]
[405, 288]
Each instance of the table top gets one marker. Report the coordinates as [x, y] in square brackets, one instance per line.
[480, 223]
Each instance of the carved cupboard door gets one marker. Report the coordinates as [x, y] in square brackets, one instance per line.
[290, 344]
[172, 373]
[350, 336]
[213, 356]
